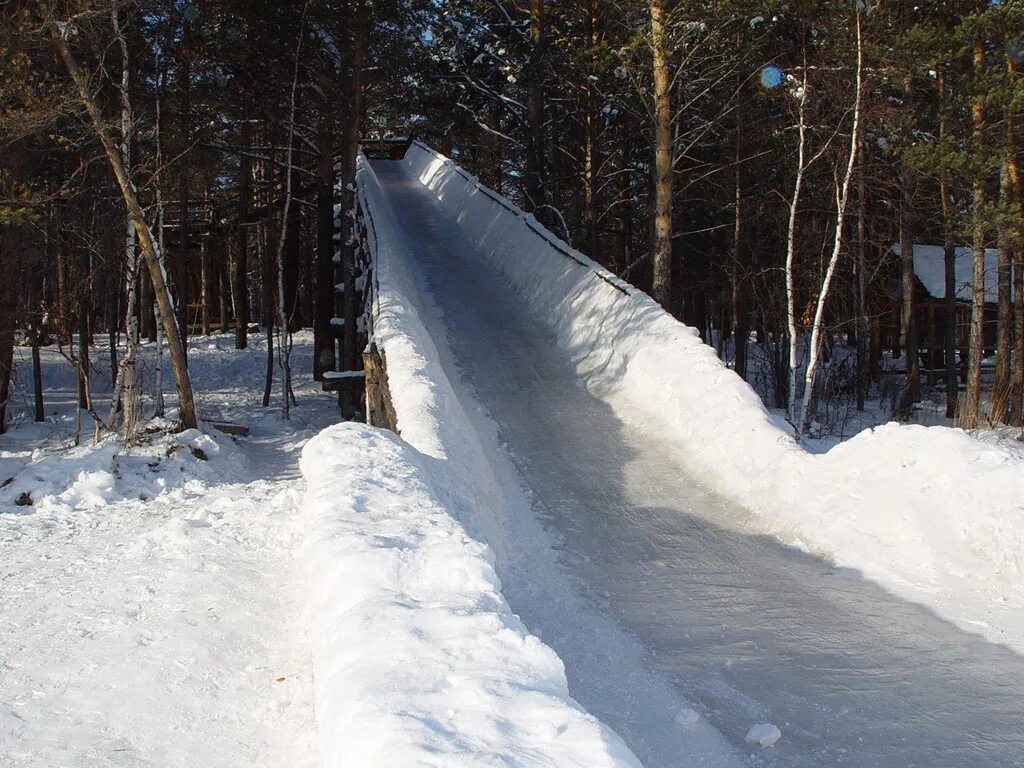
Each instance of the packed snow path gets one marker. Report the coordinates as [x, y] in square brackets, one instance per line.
[751, 631]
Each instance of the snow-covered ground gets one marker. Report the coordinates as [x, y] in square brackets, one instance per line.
[154, 605]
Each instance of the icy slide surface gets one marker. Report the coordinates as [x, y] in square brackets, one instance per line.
[749, 630]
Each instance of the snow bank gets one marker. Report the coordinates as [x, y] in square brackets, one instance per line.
[418, 658]
[53, 479]
[920, 509]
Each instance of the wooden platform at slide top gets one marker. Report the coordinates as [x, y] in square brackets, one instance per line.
[390, 148]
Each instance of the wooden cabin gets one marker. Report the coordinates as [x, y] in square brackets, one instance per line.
[930, 303]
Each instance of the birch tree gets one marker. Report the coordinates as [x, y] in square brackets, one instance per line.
[59, 35]
[842, 198]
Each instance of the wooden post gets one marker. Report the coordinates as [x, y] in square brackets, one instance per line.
[380, 411]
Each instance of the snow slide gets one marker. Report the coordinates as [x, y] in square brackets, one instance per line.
[419, 660]
[931, 513]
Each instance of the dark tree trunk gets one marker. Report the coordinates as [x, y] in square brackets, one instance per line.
[912, 390]
[591, 162]
[323, 307]
[147, 319]
[1001, 390]
[183, 198]
[860, 288]
[224, 284]
[970, 416]
[949, 263]
[1013, 171]
[350, 149]
[37, 377]
[10, 257]
[269, 309]
[535, 197]
[206, 281]
[241, 289]
[626, 207]
[113, 322]
[290, 264]
[739, 253]
[84, 331]
[495, 168]
[663, 160]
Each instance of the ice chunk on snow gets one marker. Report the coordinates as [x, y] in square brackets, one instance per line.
[764, 734]
[687, 716]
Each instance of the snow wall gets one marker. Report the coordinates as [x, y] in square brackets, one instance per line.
[907, 505]
[418, 659]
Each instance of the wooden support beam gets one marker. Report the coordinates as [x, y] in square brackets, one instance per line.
[343, 381]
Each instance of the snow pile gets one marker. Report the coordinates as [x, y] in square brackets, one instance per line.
[55, 479]
[924, 510]
[419, 659]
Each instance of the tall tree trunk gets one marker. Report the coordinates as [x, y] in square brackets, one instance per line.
[842, 198]
[912, 389]
[1001, 390]
[323, 308]
[241, 288]
[287, 252]
[63, 298]
[10, 257]
[37, 378]
[206, 278]
[739, 310]
[84, 329]
[1013, 169]
[590, 118]
[36, 301]
[794, 203]
[949, 263]
[223, 267]
[860, 287]
[663, 159]
[183, 196]
[970, 416]
[350, 150]
[535, 198]
[496, 168]
[269, 306]
[626, 207]
[290, 261]
[145, 236]
[147, 324]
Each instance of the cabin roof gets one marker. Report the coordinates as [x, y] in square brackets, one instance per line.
[930, 268]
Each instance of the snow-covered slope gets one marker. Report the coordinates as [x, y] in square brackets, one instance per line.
[932, 513]
[418, 658]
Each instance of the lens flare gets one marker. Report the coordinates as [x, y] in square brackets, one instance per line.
[771, 76]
